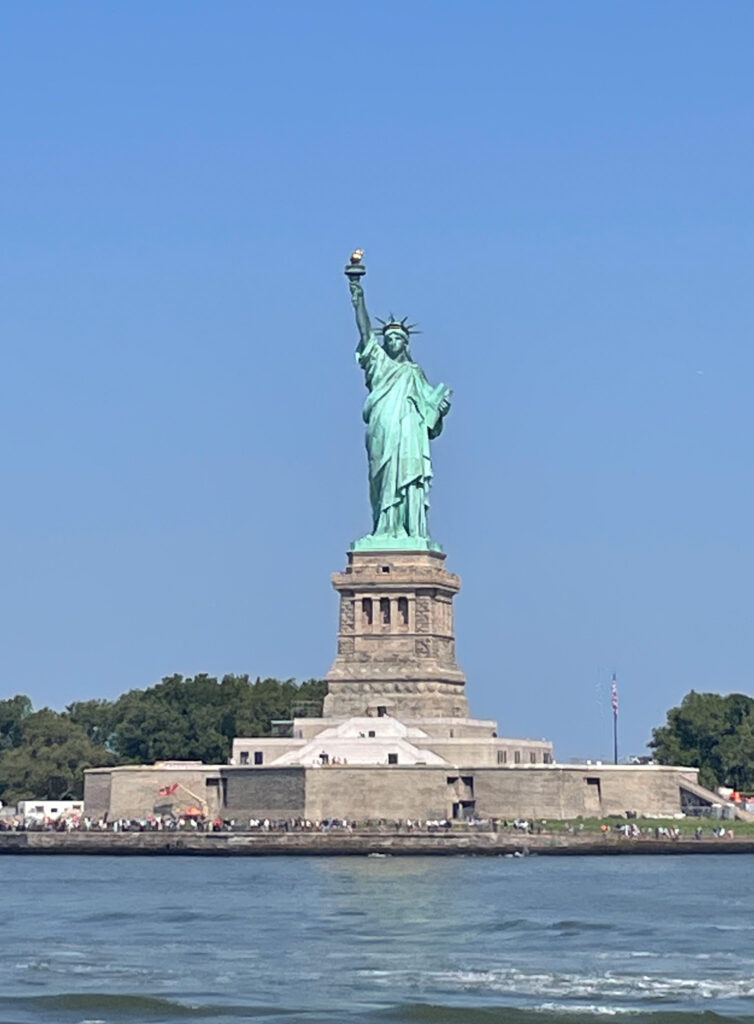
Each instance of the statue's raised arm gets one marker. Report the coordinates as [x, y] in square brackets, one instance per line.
[354, 272]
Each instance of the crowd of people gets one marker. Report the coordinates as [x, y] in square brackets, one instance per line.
[633, 831]
[200, 823]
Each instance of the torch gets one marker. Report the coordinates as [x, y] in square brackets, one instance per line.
[355, 269]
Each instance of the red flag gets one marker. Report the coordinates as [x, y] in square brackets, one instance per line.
[169, 790]
[614, 695]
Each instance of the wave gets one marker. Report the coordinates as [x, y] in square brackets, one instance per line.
[113, 1007]
[171, 916]
[110, 916]
[627, 989]
[430, 1013]
[569, 925]
[121, 1006]
[583, 926]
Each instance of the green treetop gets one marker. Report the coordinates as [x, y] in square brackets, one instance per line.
[714, 733]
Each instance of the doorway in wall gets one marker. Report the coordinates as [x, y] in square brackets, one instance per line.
[593, 797]
[464, 810]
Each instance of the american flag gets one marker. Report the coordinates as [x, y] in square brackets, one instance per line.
[614, 695]
[169, 790]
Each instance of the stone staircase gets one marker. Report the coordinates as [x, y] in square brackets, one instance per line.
[708, 796]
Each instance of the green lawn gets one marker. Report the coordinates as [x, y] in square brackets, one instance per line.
[687, 825]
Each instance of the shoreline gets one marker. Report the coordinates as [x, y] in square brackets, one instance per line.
[234, 844]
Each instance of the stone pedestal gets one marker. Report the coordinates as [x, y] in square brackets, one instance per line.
[396, 646]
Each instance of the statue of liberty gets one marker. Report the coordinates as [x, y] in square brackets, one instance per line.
[402, 412]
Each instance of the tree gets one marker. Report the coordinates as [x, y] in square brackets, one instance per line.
[12, 714]
[177, 719]
[195, 719]
[737, 754]
[712, 732]
[96, 716]
[45, 753]
[49, 760]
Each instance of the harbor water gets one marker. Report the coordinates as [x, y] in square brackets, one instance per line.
[455, 940]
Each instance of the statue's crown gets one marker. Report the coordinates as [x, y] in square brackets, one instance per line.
[393, 324]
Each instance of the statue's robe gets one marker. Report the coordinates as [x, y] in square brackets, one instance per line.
[402, 415]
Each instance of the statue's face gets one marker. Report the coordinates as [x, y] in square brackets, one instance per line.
[395, 343]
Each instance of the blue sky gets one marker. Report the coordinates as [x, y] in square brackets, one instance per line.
[560, 193]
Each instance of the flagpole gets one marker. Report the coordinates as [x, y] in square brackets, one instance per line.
[614, 704]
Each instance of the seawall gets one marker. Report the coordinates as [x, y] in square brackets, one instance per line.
[355, 844]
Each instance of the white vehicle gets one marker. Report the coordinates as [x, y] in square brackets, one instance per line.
[49, 810]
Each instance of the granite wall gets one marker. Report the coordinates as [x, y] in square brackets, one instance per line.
[392, 792]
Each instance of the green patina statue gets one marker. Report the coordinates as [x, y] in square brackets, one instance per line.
[402, 413]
